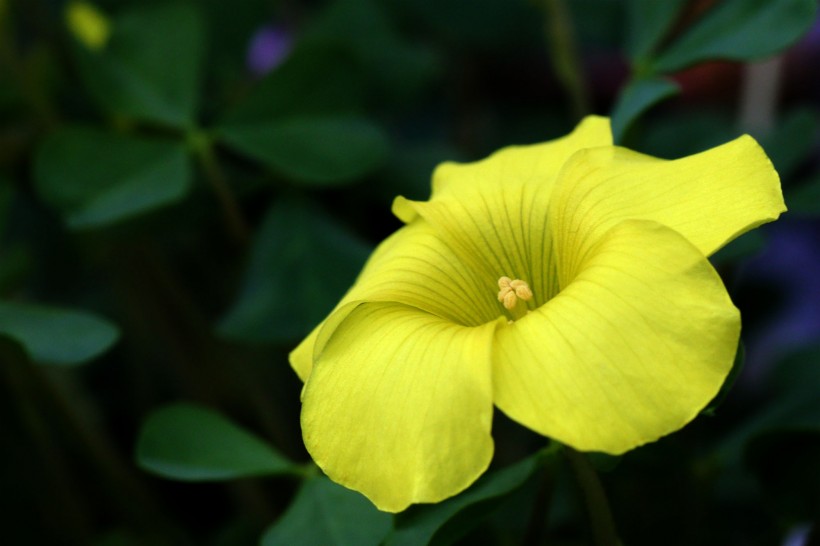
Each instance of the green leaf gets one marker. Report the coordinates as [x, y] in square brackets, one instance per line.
[6, 198]
[363, 26]
[57, 336]
[422, 523]
[791, 141]
[328, 514]
[315, 79]
[792, 490]
[636, 98]
[95, 178]
[804, 199]
[744, 246]
[151, 68]
[793, 403]
[301, 264]
[737, 366]
[648, 23]
[193, 443]
[739, 30]
[683, 132]
[312, 151]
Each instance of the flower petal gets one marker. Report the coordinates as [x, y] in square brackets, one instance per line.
[632, 349]
[417, 268]
[710, 198]
[493, 213]
[399, 405]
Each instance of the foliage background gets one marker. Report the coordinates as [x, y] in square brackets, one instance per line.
[180, 205]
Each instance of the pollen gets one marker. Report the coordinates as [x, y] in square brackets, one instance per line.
[510, 291]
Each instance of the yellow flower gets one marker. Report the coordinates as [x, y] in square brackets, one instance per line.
[565, 283]
[88, 24]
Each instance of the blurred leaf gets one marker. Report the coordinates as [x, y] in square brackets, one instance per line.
[488, 25]
[327, 514]
[6, 195]
[300, 266]
[791, 141]
[804, 199]
[649, 21]
[739, 30]
[744, 246]
[312, 150]
[15, 265]
[422, 524]
[793, 403]
[397, 67]
[635, 99]
[151, 67]
[785, 463]
[729, 382]
[193, 443]
[410, 171]
[57, 336]
[315, 79]
[95, 178]
[684, 132]
[119, 538]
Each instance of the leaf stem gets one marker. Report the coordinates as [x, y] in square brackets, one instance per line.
[563, 52]
[603, 525]
[203, 147]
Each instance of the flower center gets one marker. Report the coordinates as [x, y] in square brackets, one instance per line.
[513, 293]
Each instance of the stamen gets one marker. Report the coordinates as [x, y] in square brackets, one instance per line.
[510, 291]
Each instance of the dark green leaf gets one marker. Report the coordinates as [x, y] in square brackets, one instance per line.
[150, 70]
[737, 367]
[739, 30]
[488, 25]
[649, 21]
[300, 266]
[6, 195]
[316, 79]
[420, 524]
[793, 404]
[312, 150]
[411, 168]
[684, 132]
[791, 141]
[804, 199]
[397, 67]
[744, 246]
[636, 98]
[193, 443]
[95, 178]
[328, 514]
[56, 336]
[792, 490]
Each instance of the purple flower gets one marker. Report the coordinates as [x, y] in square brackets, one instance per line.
[269, 46]
[791, 261]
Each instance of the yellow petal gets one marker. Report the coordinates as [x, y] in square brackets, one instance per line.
[399, 405]
[88, 24]
[534, 164]
[493, 213]
[710, 198]
[635, 345]
[417, 268]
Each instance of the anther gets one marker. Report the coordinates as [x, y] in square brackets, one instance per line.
[510, 291]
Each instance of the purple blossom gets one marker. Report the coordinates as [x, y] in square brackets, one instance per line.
[269, 46]
[792, 261]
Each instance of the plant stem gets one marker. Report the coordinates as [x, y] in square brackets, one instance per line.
[72, 518]
[564, 55]
[603, 525]
[235, 220]
[759, 95]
